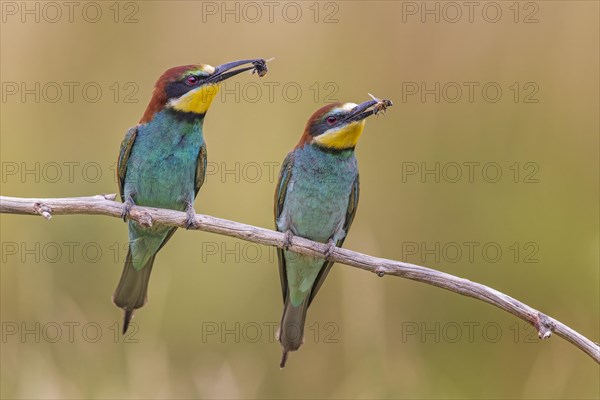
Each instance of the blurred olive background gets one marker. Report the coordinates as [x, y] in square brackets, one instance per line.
[214, 302]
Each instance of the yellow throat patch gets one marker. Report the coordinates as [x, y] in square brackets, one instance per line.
[344, 137]
[196, 101]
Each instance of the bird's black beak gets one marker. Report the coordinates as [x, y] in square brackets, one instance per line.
[364, 110]
[226, 71]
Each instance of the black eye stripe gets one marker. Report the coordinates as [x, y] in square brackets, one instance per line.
[323, 125]
[177, 89]
[183, 85]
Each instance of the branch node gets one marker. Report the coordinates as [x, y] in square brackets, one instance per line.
[145, 220]
[544, 326]
[109, 196]
[380, 271]
[43, 210]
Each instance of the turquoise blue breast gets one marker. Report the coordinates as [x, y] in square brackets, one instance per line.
[318, 192]
[162, 166]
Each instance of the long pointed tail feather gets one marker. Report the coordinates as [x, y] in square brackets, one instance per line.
[132, 291]
[127, 317]
[291, 329]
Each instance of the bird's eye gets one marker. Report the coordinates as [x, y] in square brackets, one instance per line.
[191, 80]
[331, 120]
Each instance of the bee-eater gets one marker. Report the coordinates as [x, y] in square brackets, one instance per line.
[316, 198]
[162, 163]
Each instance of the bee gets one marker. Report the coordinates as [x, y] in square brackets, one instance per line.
[381, 105]
[260, 67]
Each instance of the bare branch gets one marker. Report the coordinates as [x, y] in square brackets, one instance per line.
[105, 205]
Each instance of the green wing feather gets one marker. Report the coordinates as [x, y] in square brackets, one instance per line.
[284, 177]
[200, 169]
[350, 213]
[126, 146]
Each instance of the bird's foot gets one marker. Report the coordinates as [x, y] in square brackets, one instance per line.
[129, 203]
[330, 249]
[190, 221]
[287, 239]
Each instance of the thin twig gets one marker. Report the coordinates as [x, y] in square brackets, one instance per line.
[105, 205]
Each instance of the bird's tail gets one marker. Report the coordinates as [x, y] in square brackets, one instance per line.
[132, 291]
[291, 329]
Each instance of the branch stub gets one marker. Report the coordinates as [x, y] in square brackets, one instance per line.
[43, 210]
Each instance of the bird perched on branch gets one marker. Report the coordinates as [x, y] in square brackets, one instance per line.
[162, 163]
[316, 198]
